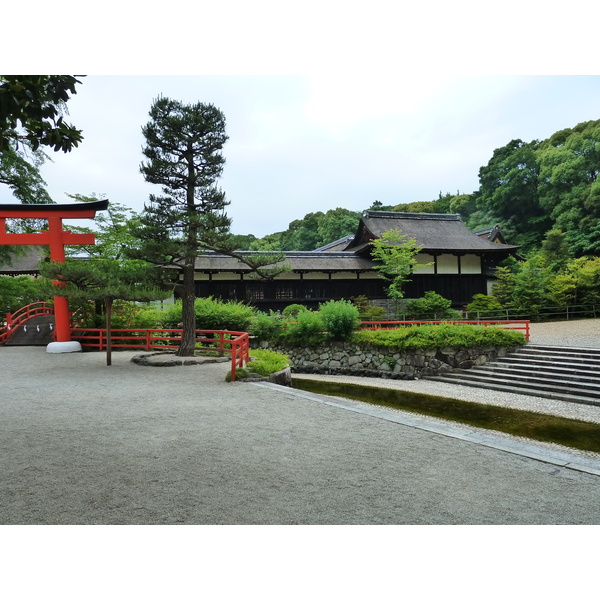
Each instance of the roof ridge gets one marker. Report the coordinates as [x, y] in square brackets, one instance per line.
[375, 214]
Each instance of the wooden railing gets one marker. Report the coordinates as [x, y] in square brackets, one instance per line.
[515, 325]
[23, 315]
[235, 343]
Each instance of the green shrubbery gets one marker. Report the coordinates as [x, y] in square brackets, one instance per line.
[431, 306]
[266, 326]
[340, 319]
[307, 329]
[291, 310]
[266, 362]
[212, 313]
[440, 336]
[263, 363]
[487, 307]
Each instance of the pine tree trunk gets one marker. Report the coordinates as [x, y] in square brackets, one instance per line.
[188, 314]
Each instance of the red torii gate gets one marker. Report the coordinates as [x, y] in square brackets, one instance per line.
[55, 237]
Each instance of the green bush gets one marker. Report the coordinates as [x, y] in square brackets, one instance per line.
[431, 306]
[263, 363]
[340, 318]
[439, 336]
[217, 314]
[366, 310]
[266, 362]
[212, 313]
[308, 329]
[266, 326]
[485, 307]
[291, 310]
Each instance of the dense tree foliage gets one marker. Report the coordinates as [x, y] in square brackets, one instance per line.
[312, 231]
[548, 278]
[569, 188]
[532, 188]
[16, 292]
[32, 109]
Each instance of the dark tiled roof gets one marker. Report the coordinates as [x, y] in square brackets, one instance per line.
[24, 264]
[435, 232]
[298, 261]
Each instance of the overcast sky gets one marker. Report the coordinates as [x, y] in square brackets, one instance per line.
[300, 144]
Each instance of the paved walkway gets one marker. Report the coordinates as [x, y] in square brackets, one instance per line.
[83, 443]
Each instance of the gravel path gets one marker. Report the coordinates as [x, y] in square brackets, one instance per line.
[584, 333]
[82, 443]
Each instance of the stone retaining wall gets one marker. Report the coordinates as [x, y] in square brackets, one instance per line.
[340, 358]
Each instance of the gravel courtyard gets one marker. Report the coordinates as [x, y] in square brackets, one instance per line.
[83, 443]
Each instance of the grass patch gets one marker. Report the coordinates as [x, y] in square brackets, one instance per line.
[267, 362]
[546, 428]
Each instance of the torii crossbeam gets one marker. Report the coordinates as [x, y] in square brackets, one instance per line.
[55, 237]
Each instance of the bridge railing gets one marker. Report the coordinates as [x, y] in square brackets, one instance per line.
[13, 320]
[234, 343]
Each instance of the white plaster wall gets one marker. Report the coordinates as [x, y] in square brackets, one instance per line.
[470, 264]
[422, 260]
[447, 264]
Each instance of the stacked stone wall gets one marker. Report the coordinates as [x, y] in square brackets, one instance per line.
[351, 359]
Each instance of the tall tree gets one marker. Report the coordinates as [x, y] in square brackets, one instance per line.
[183, 152]
[337, 223]
[184, 155]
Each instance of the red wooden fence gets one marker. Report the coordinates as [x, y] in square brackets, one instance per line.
[235, 343]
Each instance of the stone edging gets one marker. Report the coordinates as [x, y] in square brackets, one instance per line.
[169, 359]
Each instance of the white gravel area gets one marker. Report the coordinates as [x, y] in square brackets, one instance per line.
[583, 333]
[579, 334]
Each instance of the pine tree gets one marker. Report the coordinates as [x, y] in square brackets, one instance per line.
[183, 152]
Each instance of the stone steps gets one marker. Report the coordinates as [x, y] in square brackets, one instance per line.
[568, 374]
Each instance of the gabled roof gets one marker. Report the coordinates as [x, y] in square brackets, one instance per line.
[336, 246]
[435, 232]
[493, 234]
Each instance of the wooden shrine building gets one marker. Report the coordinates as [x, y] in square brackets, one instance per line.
[463, 265]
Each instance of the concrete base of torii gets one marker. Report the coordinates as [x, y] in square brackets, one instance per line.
[63, 347]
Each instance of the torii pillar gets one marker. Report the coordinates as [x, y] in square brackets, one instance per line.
[57, 239]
